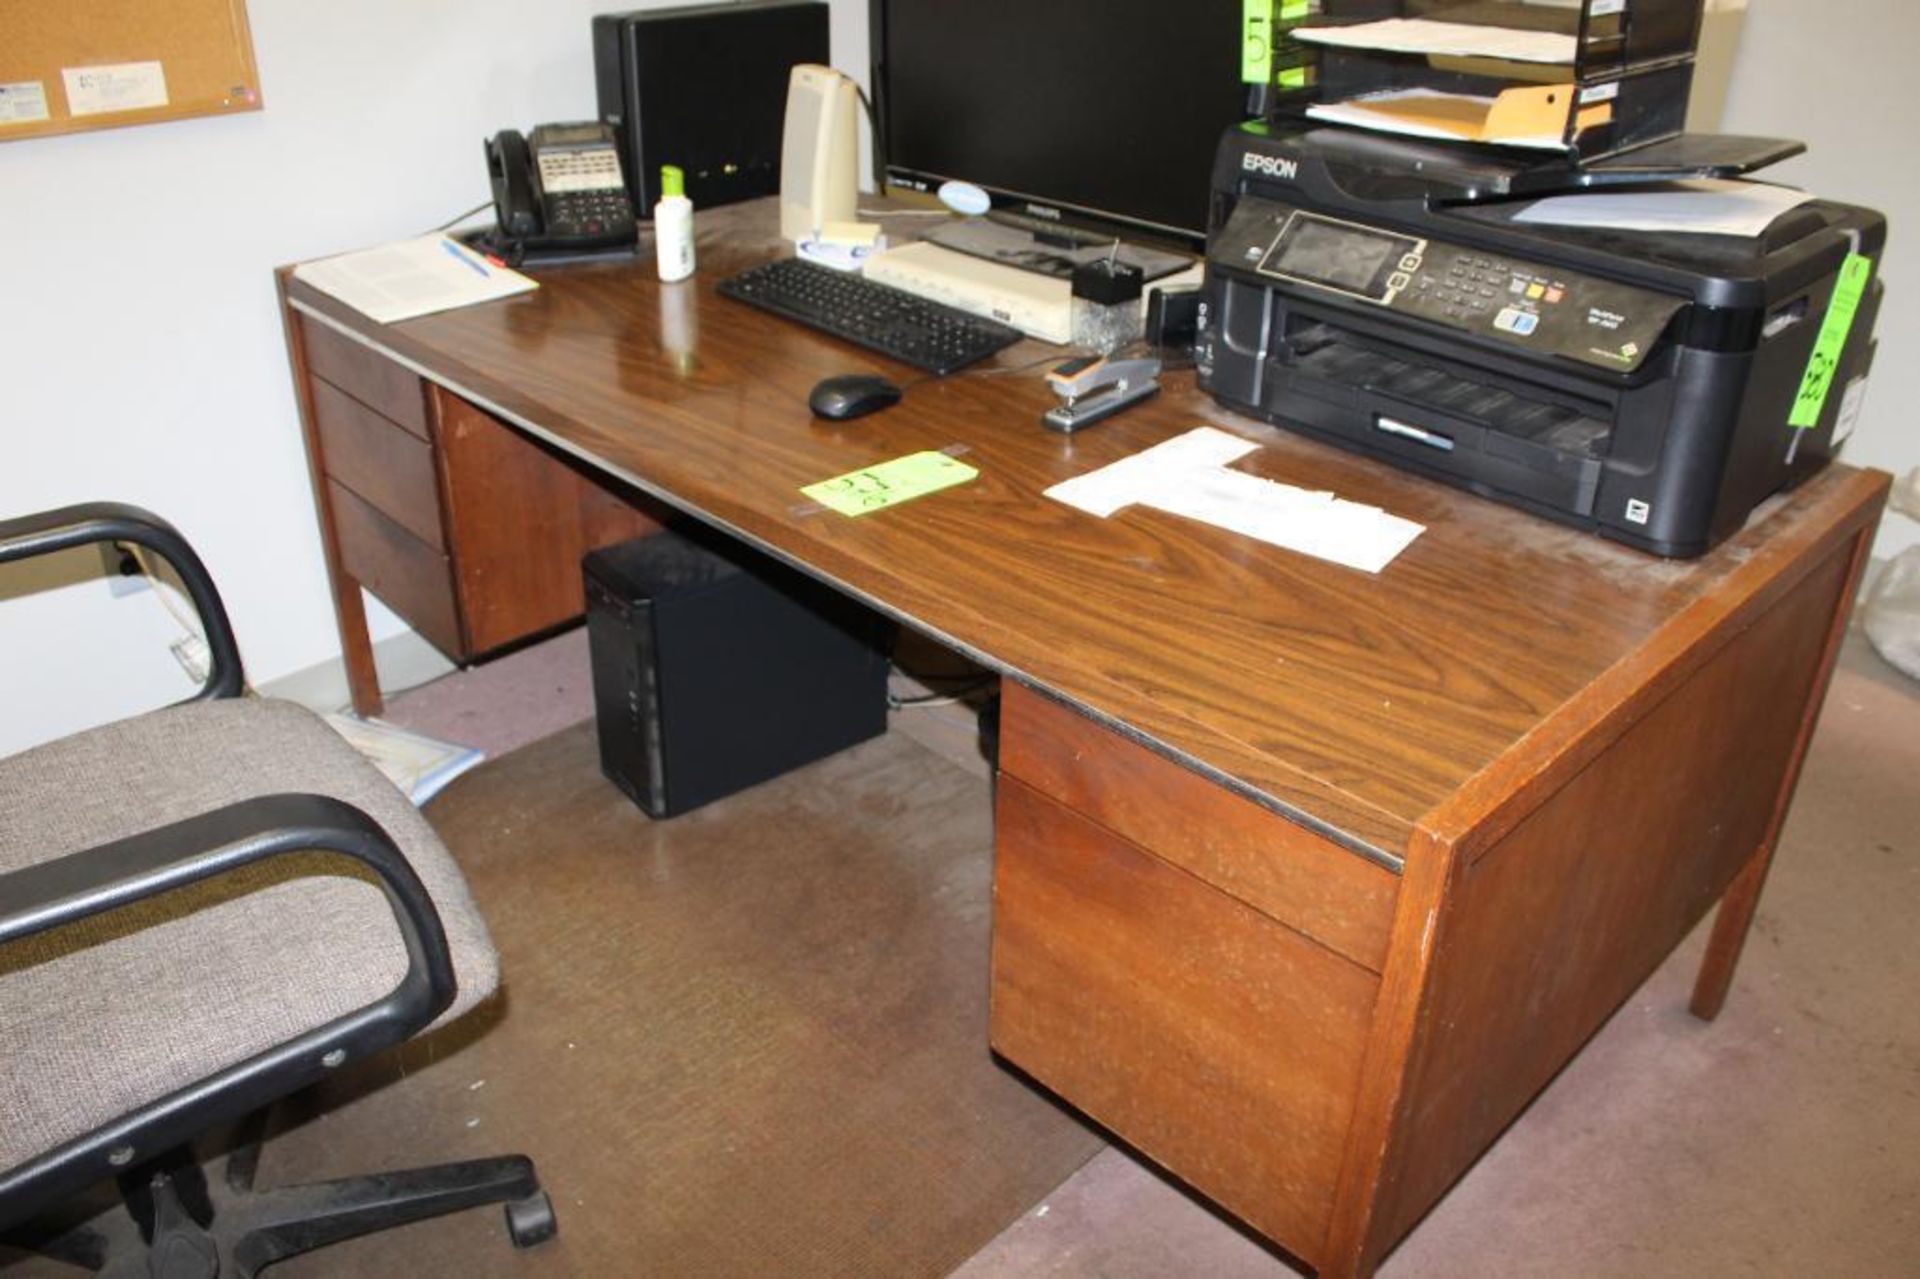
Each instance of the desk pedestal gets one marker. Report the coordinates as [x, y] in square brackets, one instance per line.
[1325, 1047]
[466, 528]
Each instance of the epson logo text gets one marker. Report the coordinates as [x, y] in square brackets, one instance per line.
[1270, 166]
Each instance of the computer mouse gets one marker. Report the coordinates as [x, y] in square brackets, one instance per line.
[852, 395]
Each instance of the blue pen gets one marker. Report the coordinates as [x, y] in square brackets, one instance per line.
[458, 256]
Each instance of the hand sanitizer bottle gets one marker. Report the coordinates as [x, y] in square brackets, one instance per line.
[673, 226]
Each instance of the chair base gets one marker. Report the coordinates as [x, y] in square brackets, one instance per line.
[181, 1219]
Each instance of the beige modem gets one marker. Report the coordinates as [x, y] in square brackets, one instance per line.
[1038, 305]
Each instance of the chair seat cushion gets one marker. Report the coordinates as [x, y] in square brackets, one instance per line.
[101, 1017]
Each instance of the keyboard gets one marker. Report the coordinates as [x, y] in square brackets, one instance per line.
[928, 335]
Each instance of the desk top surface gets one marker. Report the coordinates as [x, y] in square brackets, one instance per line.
[1356, 703]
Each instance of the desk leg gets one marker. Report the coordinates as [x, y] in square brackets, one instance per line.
[1730, 925]
[350, 611]
[1742, 898]
[356, 647]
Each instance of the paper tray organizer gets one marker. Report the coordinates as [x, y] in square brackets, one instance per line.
[1620, 82]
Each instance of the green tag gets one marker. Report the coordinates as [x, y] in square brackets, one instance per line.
[1256, 41]
[1825, 360]
[1292, 13]
[890, 483]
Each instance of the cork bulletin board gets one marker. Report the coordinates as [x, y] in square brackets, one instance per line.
[68, 65]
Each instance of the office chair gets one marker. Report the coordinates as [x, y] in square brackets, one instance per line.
[204, 909]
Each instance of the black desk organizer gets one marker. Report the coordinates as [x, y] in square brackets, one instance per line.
[1637, 54]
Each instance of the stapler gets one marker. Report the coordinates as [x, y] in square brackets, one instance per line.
[1096, 387]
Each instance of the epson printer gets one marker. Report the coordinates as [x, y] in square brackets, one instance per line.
[1382, 292]
[1645, 385]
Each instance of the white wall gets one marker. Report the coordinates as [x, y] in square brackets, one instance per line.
[1833, 74]
[141, 356]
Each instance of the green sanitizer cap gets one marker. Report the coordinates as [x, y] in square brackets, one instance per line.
[672, 181]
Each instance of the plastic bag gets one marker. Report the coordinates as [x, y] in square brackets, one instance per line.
[1891, 616]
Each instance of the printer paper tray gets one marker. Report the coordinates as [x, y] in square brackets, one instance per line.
[1411, 408]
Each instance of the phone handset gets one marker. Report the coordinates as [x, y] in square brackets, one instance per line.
[510, 169]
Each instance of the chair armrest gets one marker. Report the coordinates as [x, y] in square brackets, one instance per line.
[58, 892]
[92, 522]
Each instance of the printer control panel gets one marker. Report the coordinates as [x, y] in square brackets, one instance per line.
[1529, 305]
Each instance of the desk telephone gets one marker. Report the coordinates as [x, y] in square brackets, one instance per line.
[560, 190]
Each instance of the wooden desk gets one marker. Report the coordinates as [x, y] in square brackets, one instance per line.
[1307, 881]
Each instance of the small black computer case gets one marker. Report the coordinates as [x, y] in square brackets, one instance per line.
[715, 668]
[704, 87]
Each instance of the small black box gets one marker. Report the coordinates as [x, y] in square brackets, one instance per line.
[1108, 282]
[704, 87]
[715, 667]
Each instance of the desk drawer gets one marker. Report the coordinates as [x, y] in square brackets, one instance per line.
[411, 577]
[1220, 1042]
[1278, 867]
[392, 469]
[520, 515]
[368, 376]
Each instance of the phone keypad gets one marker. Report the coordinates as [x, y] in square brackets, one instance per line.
[590, 212]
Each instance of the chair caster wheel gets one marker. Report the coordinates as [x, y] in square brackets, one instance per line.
[531, 1220]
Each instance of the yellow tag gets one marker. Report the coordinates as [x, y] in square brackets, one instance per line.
[890, 483]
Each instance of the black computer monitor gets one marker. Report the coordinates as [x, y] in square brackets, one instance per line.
[1102, 114]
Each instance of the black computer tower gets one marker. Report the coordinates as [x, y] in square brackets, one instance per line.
[715, 667]
[704, 87]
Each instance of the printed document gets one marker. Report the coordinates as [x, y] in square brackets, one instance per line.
[412, 277]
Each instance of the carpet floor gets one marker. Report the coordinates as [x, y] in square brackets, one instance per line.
[747, 1041]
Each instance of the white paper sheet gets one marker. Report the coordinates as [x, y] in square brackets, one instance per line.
[23, 102]
[1453, 39]
[1702, 208]
[412, 277]
[1123, 483]
[1189, 476]
[119, 86]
